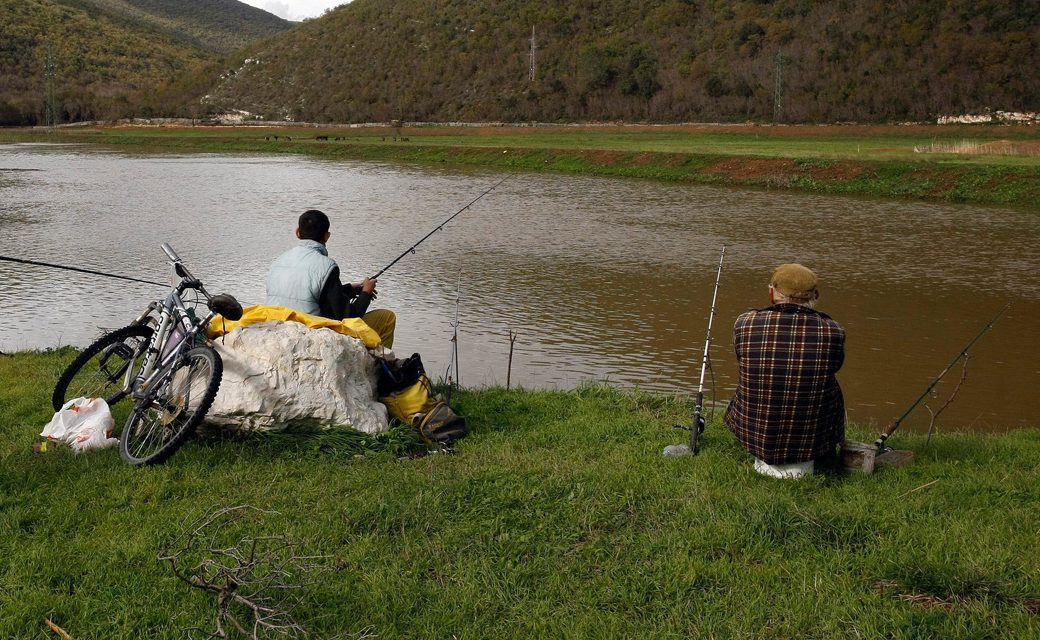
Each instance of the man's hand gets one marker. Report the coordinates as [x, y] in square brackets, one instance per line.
[368, 285]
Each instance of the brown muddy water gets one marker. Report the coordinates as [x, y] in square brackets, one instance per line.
[602, 279]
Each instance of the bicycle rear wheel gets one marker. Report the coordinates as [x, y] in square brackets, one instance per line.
[167, 415]
[99, 371]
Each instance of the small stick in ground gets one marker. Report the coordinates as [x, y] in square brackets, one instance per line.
[935, 414]
[509, 367]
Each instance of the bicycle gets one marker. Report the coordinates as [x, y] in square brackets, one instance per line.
[161, 360]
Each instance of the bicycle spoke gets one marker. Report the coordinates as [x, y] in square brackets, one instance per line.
[173, 408]
[99, 371]
[147, 431]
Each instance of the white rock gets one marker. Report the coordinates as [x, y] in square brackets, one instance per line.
[282, 375]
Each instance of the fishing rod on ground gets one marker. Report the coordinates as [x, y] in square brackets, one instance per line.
[880, 442]
[698, 410]
[411, 249]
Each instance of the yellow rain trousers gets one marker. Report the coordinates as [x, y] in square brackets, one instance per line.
[354, 327]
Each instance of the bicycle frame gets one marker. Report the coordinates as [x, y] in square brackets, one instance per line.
[172, 313]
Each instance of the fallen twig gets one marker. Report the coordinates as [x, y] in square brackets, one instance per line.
[923, 486]
[58, 630]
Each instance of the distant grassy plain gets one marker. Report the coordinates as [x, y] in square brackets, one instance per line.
[1003, 166]
[556, 518]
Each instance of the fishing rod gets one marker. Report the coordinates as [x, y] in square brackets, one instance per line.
[880, 442]
[411, 249]
[452, 372]
[698, 409]
[90, 271]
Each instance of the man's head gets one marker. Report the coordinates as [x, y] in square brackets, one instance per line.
[313, 225]
[795, 284]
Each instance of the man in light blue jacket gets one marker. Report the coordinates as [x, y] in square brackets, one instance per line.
[305, 278]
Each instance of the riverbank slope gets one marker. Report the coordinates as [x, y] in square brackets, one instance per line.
[557, 517]
[973, 164]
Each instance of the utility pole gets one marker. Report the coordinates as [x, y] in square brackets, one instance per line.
[49, 106]
[534, 47]
[778, 91]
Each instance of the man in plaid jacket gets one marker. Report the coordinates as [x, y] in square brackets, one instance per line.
[788, 409]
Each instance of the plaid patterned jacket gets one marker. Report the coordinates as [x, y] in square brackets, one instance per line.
[788, 406]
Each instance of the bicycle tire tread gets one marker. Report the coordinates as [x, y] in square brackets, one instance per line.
[58, 398]
[189, 427]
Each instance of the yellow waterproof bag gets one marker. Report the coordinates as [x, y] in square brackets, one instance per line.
[407, 402]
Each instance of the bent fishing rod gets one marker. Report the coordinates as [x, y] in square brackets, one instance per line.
[698, 409]
[411, 249]
[90, 271]
[880, 442]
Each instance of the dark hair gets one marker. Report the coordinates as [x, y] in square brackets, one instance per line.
[313, 225]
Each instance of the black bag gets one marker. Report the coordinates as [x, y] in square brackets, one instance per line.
[395, 375]
[435, 422]
[440, 425]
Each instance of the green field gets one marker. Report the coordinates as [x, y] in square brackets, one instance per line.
[556, 518]
[1003, 167]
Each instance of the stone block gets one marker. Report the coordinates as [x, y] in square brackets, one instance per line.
[285, 376]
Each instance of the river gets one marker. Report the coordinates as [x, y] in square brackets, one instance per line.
[602, 279]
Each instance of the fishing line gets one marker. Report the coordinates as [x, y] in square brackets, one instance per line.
[880, 442]
[90, 271]
[412, 248]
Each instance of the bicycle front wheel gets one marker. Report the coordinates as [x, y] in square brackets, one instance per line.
[100, 370]
[167, 415]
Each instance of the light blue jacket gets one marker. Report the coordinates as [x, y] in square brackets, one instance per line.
[297, 277]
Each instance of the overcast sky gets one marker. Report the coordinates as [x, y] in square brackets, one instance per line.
[295, 9]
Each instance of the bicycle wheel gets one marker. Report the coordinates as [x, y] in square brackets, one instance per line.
[98, 372]
[167, 415]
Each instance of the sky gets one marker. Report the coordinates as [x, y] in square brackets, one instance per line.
[295, 9]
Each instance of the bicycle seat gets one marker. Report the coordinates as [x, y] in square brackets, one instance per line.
[226, 305]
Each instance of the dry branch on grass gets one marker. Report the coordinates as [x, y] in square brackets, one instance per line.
[256, 581]
[56, 629]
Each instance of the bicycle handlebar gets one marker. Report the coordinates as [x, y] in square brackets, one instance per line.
[188, 281]
[170, 252]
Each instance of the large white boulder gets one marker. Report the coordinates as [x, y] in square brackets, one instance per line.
[283, 375]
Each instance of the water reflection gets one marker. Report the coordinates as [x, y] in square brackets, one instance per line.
[602, 278]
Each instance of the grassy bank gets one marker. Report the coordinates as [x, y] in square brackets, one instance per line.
[1001, 167]
[557, 517]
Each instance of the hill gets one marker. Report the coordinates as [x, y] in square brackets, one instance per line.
[99, 59]
[658, 60]
[219, 26]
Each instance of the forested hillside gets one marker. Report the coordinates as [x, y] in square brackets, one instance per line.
[75, 60]
[221, 26]
[649, 60]
[447, 60]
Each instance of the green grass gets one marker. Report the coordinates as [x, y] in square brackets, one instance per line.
[873, 161]
[557, 517]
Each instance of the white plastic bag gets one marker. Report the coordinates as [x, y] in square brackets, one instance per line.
[83, 424]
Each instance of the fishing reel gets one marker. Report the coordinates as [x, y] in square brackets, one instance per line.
[699, 421]
[695, 434]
